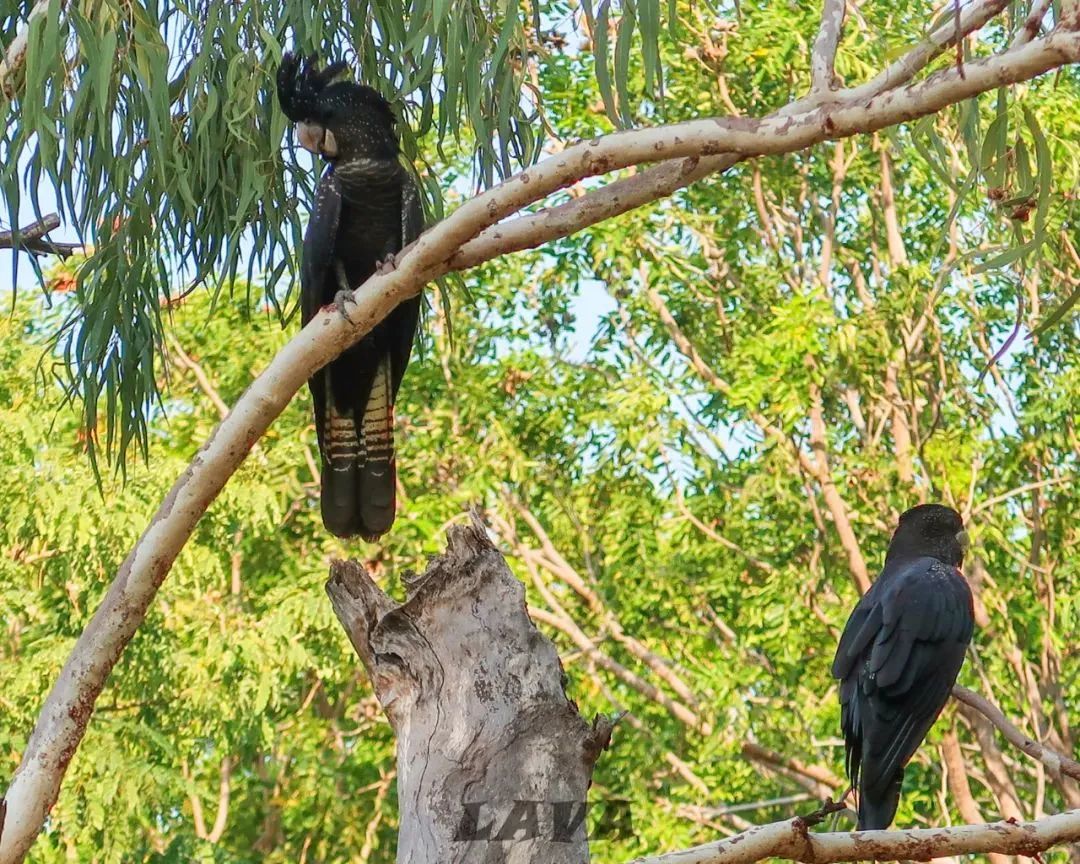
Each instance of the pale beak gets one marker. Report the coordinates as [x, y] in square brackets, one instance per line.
[964, 541]
[311, 136]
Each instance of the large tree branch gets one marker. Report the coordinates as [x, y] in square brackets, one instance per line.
[849, 112]
[907, 67]
[1033, 22]
[791, 840]
[67, 709]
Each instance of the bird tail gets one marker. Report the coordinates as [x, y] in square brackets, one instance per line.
[377, 490]
[359, 477]
[878, 807]
[343, 450]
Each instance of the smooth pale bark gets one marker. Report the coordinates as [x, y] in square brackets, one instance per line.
[494, 761]
[791, 840]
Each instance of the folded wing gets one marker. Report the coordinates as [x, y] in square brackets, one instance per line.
[897, 661]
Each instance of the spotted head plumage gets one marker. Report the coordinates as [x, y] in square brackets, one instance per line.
[339, 120]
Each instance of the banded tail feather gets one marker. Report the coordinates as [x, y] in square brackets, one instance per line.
[378, 475]
[342, 455]
[359, 479]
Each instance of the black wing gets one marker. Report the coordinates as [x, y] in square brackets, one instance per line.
[316, 272]
[898, 658]
[407, 315]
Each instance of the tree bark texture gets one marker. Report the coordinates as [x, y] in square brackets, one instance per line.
[494, 761]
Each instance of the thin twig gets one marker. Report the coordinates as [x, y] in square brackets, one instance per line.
[32, 239]
[1058, 763]
[185, 360]
[1019, 490]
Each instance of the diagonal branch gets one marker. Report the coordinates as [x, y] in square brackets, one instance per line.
[185, 360]
[1032, 23]
[224, 792]
[1058, 763]
[553, 561]
[1019, 490]
[821, 781]
[956, 770]
[907, 67]
[561, 620]
[67, 710]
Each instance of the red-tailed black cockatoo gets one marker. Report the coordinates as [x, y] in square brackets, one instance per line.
[367, 209]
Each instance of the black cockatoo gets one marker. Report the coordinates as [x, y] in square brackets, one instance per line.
[900, 653]
[367, 208]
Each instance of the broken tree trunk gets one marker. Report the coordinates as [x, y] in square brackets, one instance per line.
[494, 761]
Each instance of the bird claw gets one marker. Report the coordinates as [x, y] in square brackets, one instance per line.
[342, 299]
[387, 265]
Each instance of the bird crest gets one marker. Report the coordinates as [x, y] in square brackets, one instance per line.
[301, 82]
[307, 92]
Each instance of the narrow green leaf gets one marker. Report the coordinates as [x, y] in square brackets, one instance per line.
[995, 143]
[1005, 258]
[1044, 166]
[649, 29]
[600, 58]
[1025, 180]
[1058, 313]
[624, 40]
[105, 56]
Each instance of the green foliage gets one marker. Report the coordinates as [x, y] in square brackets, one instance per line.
[669, 483]
[154, 128]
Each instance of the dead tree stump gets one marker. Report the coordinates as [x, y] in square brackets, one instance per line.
[494, 761]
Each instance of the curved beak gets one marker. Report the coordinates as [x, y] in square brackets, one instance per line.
[311, 136]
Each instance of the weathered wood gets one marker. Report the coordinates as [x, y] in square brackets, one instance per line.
[494, 761]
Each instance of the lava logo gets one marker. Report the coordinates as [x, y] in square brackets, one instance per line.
[557, 821]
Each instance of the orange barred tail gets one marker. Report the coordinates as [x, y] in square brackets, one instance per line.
[377, 493]
[339, 473]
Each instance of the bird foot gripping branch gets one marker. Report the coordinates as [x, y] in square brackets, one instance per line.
[387, 265]
[342, 300]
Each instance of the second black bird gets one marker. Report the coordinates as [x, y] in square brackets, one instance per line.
[367, 208]
[900, 653]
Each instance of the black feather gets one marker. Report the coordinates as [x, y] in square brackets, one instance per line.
[899, 656]
[366, 208]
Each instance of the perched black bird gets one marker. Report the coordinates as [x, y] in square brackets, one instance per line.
[367, 208]
[900, 653]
